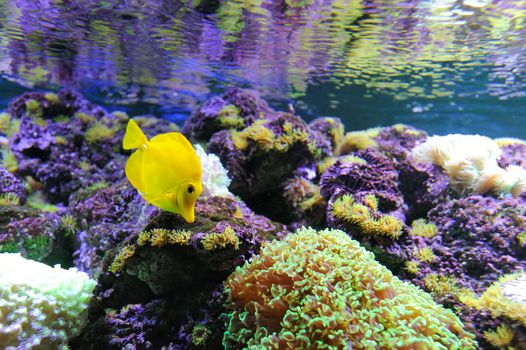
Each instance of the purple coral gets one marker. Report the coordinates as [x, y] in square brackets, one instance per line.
[261, 166]
[175, 284]
[107, 216]
[206, 119]
[331, 128]
[376, 176]
[513, 154]
[483, 234]
[9, 183]
[423, 186]
[51, 145]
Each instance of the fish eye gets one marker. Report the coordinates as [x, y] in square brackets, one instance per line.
[190, 189]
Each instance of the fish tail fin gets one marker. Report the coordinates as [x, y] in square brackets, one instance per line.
[134, 137]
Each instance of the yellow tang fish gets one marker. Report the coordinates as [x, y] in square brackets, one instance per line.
[165, 170]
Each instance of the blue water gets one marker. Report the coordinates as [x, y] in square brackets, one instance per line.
[441, 66]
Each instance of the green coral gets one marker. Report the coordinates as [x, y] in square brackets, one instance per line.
[8, 125]
[68, 224]
[322, 290]
[200, 334]
[85, 118]
[33, 108]
[9, 160]
[51, 97]
[34, 248]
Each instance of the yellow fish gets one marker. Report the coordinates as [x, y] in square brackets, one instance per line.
[165, 170]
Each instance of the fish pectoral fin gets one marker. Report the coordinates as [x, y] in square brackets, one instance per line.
[133, 171]
[134, 137]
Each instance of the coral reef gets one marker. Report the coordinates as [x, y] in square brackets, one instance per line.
[364, 198]
[470, 161]
[66, 143]
[261, 150]
[42, 307]
[161, 281]
[283, 299]
[176, 269]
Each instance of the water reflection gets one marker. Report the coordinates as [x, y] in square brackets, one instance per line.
[175, 52]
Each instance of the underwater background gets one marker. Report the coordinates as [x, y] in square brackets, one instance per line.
[262, 174]
[438, 65]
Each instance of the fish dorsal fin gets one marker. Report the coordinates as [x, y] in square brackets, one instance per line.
[134, 137]
[175, 137]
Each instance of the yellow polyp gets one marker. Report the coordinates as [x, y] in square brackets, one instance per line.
[412, 266]
[345, 208]
[51, 97]
[493, 301]
[422, 228]
[85, 118]
[221, 240]
[371, 201]
[425, 254]
[501, 337]
[441, 285]
[124, 254]
[98, 132]
[9, 199]
[161, 237]
[357, 140]
[144, 238]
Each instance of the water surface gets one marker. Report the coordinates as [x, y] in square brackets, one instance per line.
[445, 66]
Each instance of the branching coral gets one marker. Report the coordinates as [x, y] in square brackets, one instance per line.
[321, 290]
